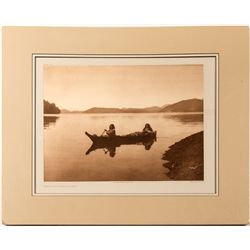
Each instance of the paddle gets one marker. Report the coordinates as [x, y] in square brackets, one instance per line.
[103, 132]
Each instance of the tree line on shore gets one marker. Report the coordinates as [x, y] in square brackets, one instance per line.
[50, 108]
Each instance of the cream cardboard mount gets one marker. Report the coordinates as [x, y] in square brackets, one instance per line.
[228, 203]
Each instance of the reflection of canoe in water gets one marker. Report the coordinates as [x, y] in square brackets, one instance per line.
[116, 141]
[123, 139]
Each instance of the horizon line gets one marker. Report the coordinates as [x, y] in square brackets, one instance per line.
[156, 106]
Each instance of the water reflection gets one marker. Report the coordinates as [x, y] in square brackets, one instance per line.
[49, 120]
[186, 118]
[65, 145]
[110, 148]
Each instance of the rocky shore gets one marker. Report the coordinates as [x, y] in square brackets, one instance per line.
[185, 158]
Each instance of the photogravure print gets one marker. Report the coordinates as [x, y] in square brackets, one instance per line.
[125, 124]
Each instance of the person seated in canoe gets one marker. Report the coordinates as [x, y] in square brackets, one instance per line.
[147, 129]
[111, 131]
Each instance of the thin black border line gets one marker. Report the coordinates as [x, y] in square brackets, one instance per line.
[124, 54]
[217, 127]
[107, 194]
[124, 57]
[35, 116]
[33, 137]
[215, 146]
[136, 56]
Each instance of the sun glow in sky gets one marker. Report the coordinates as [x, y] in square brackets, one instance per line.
[137, 86]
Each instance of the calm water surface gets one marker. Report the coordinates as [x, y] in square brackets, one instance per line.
[65, 145]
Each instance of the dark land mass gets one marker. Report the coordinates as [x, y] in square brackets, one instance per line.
[191, 105]
[50, 108]
[185, 158]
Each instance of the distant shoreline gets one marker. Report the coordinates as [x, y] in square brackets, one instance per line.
[159, 113]
[185, 106]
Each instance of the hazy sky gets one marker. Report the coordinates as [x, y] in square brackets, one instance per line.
[83, 87]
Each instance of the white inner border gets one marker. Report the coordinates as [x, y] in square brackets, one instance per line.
[207, 187]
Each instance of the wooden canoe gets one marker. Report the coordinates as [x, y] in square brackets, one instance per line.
[123, 139]
[100, 142]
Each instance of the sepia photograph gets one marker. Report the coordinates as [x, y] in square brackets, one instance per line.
[123, 123]
[127, 124]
